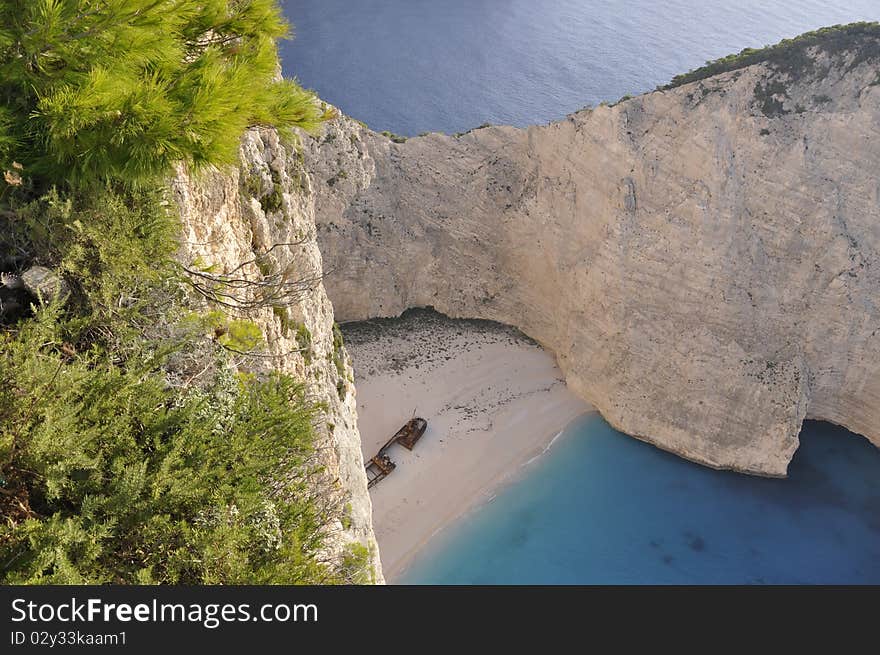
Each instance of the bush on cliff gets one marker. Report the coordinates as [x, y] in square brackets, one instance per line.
[791, 55]
[112, 475]
[131, 449]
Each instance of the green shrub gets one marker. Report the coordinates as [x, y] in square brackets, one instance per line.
[396, 138]
[304, 341]
[790, 56]
[473, 129]
[241, 336]
[766, 96]
[340, 175]
[110, 475]
[113, 249]
[354, 565]
[274, 200]
[338, 352]
[283, 315]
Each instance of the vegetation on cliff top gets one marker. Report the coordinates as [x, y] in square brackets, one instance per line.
[132, 448]
[790, 55]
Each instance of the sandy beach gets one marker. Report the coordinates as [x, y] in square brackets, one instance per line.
[493, 399]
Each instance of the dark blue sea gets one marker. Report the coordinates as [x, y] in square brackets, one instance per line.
[413, 66]
[599, 507]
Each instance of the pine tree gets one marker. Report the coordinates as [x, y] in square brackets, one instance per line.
[119, 90]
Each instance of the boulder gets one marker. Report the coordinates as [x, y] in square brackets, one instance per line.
[44, 284]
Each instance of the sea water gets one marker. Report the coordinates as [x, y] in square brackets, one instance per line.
[603, 508]
[599, 507]
[412, 66]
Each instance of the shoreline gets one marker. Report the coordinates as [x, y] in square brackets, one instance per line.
[495, 401]
[485, 496]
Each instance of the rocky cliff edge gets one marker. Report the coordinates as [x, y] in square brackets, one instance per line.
[703, 259]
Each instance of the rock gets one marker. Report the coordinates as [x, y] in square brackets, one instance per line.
[707, 271]
[227, 221]
[43, 283]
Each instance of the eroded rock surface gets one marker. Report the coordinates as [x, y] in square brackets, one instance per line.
[702, 260]
[257, 223]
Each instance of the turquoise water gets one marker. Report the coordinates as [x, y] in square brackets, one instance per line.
[602, 508]
[414, 66]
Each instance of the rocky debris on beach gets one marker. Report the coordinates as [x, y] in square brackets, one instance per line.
[420, 339]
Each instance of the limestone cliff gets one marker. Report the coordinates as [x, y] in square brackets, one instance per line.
[703, 260]
[256, 223]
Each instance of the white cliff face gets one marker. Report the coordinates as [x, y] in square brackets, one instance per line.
[703, 261]
[262, 215]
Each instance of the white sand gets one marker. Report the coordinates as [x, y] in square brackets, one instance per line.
[493, 401]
